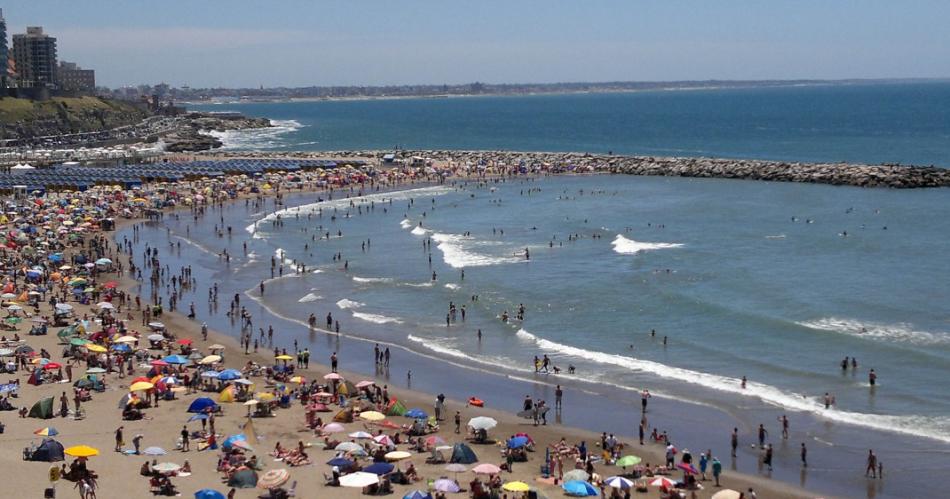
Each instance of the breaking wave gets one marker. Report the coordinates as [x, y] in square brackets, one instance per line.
[376, 318]
[626, 246]
[896, 333]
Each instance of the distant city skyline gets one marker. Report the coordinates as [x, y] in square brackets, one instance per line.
[297, 43]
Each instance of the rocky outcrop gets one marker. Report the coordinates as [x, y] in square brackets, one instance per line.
[192, 135]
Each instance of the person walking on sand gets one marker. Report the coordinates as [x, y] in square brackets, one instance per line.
[333, 362]
[762, 435]
[735, 441]
[558, 394]
[119, 441]
[784, 421]
[458, 421]
[716, 470]
[804, 456]
[185, 446]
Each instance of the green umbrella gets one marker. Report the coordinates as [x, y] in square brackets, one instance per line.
[625, 461]
[78, 342]
[14, 320]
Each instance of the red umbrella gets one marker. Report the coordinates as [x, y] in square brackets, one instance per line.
[52, 365]
[159, 363]
[110, 285]
[185, 341]
[688, 468]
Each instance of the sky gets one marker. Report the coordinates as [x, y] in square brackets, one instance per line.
[243, 43]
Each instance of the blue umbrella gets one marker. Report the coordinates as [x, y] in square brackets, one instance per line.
[416, 414]
[228, 442]
[417, 494]
[379, 468]
[517, 442]
[230, 374]
[121, 347]
[201, 404]
[341, 462]
[208, 494]
[197, 417]
[176, 359]
[579, 489]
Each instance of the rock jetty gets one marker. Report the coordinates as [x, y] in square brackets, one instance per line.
[888, 175]
[192, 132]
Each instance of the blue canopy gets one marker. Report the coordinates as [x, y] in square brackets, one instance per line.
[416, 414]
[341, 462]
[379, 468]
[197, 417]
[121, 347]
[230, 374]
[517, 442]
[202, 404]
[208, 494]
[228, 442]
[417, 494]
[580, 489]
[176, 359]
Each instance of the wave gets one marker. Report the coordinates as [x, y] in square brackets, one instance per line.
[376, 318]
[428, 284]
[309, 297]
[452, 286]
[405, 223]
[289, 266]
[257, 138]
[344, 203]
[458, 252]
[626, 246]
[896, 333]
[937, 428]
[345, 304]
[372, 279]
[419, 231]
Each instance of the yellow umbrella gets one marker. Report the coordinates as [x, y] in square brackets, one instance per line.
[284, 357]
[140, 386]
[516, 487]
[264, 396]
[298, 379]
[398, 455]
[372, 416]
[92, 347]
[82, 451]
[211, 359]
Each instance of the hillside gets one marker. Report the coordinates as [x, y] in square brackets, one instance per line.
[23, 118]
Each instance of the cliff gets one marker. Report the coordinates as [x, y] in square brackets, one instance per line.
[25, 119]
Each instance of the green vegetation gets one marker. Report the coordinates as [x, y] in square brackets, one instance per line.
[59, 115]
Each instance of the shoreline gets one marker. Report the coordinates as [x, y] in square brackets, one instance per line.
[651, 453]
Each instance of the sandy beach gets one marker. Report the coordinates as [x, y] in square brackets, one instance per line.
[119, 472]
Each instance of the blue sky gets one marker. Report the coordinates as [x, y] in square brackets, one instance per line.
[369, 42]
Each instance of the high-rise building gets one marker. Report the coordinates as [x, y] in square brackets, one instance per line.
[4, 51]
[72, 78]
[35, 55]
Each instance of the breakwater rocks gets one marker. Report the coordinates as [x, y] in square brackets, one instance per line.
[191, 134]
[893, 176]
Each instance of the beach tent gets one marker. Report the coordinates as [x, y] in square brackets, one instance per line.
[42, 409]
[347, 388]
[463, 454]
[396, 408]
[201, 404]
[50, 451]
[243, 479]
[226, 395]
[344, 416]
[208, 494]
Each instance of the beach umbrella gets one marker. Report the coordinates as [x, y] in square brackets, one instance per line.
[663, 482]
[576, 475]
[95, 370]
[48, 431]
[105, 305]
[166, 467]
[482, 423]
[159, 363]
[372, 416]
[298, 379]
[434, 440]
[156, 325]
[446, 485]
[209, 374]
[333, 428]
[360, 434]
[516, 487]
[202, 404]
[78, 342]
[348, 447]
[517, 442]
[273, 478]
[332, 376]
[625, 461]
[184, 341]
[243, 381]
[416, 414]
[486, 469]
[577, 488]
[229, 375]
[379, 468]
[359, 480]
[125, 339]
[243, 479]
[618, 482]
[176, 359]
[82, 451]
[384, 440]
[688, 468]
[727, 494]
[398, 455]
[92, 347]
[52, 365]
[211, 359]
[284, 357]
[340, 462]
[154, 451]
[141, 386]
[216, 346]
[209, 494]
[252, 402]
[417, 494]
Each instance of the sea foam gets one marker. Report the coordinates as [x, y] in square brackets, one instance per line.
[346, 303]
[626, 246]
[376, 318]
[894, 333]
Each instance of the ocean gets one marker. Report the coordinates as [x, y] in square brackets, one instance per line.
[774, 282]
[864, 123]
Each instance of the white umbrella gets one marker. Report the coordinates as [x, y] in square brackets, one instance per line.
[359, 479]
[726, 494]
[482, 423]
[166, 467]
[155, 337]
[105, 305]
[619, 482]
[348, 447]
[360, 434]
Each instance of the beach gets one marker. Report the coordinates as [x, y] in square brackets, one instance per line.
[118, 472]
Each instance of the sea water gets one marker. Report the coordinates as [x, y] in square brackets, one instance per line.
[906, 123]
